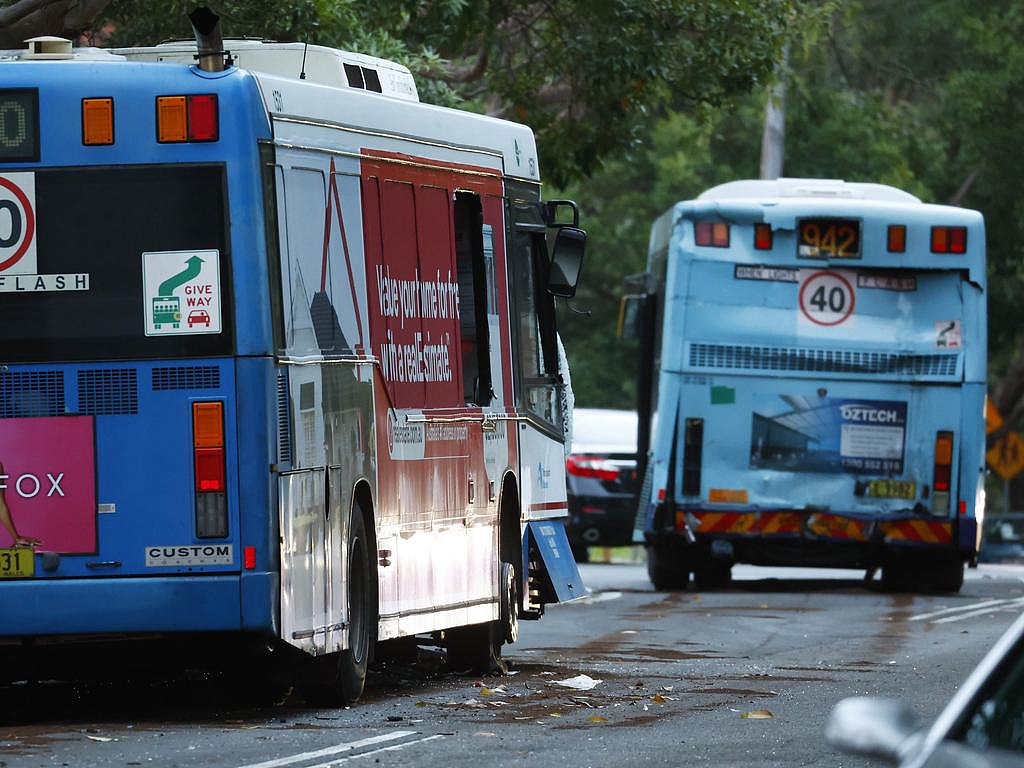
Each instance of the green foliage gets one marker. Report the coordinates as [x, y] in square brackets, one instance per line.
[585, 75]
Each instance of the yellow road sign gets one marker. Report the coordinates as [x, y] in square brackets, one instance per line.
[993, 420]
[1006, 457]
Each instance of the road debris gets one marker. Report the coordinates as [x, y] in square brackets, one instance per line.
[579, 683]
[757, 714]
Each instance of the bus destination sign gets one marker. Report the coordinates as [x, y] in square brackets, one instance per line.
[828, 239]
[19, 125]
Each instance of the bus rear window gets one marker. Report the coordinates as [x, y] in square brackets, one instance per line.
[79, 290]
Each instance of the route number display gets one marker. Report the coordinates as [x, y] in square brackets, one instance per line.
[828, 239]
[19, 125]
[827, 297]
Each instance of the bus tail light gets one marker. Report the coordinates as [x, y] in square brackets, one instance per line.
[896, 238]
[97, 122]
[210, 470]
[581, 465]
[187, 118]
[949, 239]
[943, 473]
[714, 234]
[763, 237]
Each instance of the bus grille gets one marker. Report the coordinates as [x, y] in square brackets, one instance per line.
[736, 357]
[284, 420]
[187, 377]
[108, 391]
[31, 393]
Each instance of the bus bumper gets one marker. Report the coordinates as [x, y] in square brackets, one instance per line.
[859, 535]
[208, 603]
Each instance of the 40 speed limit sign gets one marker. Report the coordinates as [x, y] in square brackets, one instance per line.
[827, 296]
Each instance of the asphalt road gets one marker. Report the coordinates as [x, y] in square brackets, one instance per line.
[678, 673]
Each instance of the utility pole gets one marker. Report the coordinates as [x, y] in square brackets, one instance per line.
[773, 138]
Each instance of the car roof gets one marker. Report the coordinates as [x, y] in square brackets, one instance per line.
[603, 430]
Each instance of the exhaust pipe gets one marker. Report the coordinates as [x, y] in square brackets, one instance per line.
[209, 43]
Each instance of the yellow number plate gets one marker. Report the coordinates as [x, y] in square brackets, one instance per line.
[17, 563]
[892, 489]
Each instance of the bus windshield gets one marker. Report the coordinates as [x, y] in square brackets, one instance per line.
[80, 292]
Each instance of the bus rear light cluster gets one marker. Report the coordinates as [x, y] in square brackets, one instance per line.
[187, 118]
[943, 473]
[949, 239]
[714, 234]
[581, 465]
[210, 470]
[763, 237]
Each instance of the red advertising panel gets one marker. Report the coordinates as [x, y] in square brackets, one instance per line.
[48, 483]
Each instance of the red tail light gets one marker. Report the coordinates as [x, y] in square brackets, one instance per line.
[210, 469]
[763, 237]
[897, 238]
[949, 239]
[581, 465]
[202, 118]
[943, 460]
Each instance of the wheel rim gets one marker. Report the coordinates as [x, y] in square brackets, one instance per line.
[357, 600]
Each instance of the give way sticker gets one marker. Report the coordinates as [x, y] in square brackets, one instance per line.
[17, 224]
[827, 296]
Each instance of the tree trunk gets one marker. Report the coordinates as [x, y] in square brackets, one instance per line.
[32, 18]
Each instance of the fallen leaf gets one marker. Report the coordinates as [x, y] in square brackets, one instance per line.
[658, 698]
[100, 738]
[597, 719]
[757, 714]
[421, 704]
[484, 733]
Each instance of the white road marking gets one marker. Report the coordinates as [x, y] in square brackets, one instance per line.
[959, 608]
[392, 748]
[961, 616]
[335, 750]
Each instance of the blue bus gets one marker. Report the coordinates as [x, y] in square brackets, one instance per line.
[818, 352]
[280, 371]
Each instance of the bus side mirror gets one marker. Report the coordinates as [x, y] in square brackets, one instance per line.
[566, 261]
[630, 305]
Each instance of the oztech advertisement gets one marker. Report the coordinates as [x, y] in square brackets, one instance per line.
[797, 433]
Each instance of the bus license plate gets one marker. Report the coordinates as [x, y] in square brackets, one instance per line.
[17, 563]
[828, 239]
[892, 489]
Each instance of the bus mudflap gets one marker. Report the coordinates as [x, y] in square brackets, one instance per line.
[550, 572]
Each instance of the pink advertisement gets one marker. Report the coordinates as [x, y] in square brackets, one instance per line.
[48, 484]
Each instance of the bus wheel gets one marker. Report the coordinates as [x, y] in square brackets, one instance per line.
[713, 575]
[666, 569]
[896, 576]
[338, 678]
[947, 576]
[477, 649]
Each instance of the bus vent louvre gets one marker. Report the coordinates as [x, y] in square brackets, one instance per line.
[284, 421]
[108, 392]
[31, 393]
[740, 357]
[186, 377]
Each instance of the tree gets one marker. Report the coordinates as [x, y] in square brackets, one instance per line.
[31, 18]
[585, 75]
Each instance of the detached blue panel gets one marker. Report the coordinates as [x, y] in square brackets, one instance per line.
[553, 545]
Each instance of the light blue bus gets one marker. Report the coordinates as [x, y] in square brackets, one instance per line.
[819, 353]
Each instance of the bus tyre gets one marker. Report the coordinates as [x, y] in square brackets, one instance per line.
[896, 577]
[477, 649]
[667, 569]
[948, 576]
[338, 678]
[713, 575]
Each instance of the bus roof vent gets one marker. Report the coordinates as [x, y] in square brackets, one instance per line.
[48, 47]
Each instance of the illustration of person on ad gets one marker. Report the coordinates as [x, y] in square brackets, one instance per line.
[7, 521]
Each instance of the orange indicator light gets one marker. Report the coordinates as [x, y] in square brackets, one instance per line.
[97, 121]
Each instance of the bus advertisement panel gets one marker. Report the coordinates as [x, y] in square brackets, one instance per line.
[820, 383]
